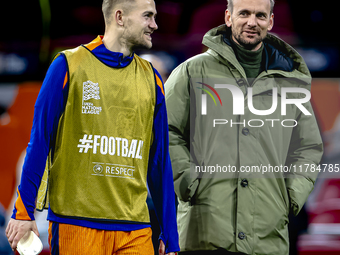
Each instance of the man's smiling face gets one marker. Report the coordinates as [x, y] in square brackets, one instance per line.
[250, 22]
[141, 24]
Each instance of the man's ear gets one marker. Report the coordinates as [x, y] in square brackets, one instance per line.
[227, 18]
[271, 22]
[119, 17]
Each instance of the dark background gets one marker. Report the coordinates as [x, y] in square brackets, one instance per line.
[30, 34]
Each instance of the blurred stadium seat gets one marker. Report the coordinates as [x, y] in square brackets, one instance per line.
[324, 216]
[14, 136]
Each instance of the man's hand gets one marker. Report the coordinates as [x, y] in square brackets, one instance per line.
[161, 250]
[16, 229]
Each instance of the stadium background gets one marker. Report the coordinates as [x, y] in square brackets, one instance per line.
[33, 31]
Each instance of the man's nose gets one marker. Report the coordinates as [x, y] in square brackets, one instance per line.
[252, 20]
[153, 24]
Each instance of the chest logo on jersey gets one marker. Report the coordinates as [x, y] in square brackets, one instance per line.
[90, 96]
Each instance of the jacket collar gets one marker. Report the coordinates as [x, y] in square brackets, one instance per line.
[278, 55]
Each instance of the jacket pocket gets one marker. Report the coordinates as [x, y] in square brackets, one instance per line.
[192, 191]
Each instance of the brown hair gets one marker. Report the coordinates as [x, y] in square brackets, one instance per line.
[231, 6]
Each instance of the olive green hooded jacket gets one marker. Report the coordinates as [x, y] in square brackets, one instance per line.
[222, 204]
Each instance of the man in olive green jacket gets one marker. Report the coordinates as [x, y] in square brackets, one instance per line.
[244, 142]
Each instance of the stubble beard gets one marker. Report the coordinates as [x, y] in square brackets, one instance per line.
[140, 44]
[134, 42]
[247, 44]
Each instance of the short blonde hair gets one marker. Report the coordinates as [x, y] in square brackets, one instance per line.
[108, 6]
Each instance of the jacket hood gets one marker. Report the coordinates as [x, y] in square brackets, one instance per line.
[278, 54]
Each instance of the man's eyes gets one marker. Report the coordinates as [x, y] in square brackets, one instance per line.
[259, 15]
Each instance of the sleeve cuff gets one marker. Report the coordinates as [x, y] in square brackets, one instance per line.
[20, 212]
[168, 249]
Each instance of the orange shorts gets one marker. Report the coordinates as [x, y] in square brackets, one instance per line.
[70, 239]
